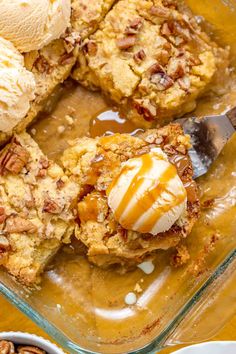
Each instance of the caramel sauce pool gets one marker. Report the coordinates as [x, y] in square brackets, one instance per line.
[86, 302]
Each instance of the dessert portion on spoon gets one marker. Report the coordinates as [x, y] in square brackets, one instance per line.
[137, 194]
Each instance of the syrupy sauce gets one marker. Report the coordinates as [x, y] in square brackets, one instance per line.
[110, 122]
[87, 303]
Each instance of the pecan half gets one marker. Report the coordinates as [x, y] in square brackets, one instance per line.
[17, 224]
[134, 26]
[13, 158]
[126, 42]
[139, 56]
[50, 206]
[30, 350]
[6, 347]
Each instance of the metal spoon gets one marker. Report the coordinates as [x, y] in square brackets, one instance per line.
[208, 137]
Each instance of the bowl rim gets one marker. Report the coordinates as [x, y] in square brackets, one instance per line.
[31, 339]
[222, 343]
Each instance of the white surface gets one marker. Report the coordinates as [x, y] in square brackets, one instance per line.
[147, 267]
[149, 169]
[31, 339]
[210, 348]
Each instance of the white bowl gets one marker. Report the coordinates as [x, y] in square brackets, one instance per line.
[227, 347]
[31, 339]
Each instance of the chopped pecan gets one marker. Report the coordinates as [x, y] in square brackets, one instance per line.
[165, 30]
[170, 3]
[44, 162]
[176, 68]
[42, 65]
[50, 206]
[134, 26]
[4, 244]
[13, 158]
[139, 56]
[146, 109]
[30, 350]
[71, 40]
[60, 184]
[162, 81]
[126, 42]
[44, 166]
[66, 59]
[194, 61]
[91, 48]
[2, 215]
[177, 29]
[159, 77]
[17, 224]
[184, 83]
[160, 11]
[6, 347]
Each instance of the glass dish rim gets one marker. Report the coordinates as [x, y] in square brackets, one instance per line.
[151, 348]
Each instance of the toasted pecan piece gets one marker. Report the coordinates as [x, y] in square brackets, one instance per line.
[126, 42]
[13, 158]
[17, 224]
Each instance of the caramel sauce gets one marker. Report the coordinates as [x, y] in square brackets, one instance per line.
[148, 199]
[135, 184]
[88, 209]
[109, 123]
[181, 162]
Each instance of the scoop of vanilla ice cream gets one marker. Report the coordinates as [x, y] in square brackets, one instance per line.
[148, 196]
[32, 24]
[17, 86]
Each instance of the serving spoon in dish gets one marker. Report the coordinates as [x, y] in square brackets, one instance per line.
[208, 137]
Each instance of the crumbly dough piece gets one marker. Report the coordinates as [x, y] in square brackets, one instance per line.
[35, 209]
[152, 58]
[94, 163]
[86, 15]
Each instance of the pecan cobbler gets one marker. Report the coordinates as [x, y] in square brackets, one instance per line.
[124, 197]
[136, 194]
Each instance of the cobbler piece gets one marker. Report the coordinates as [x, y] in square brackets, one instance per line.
[96, 163]
[86, 16]
[35, 209]
[152, 58]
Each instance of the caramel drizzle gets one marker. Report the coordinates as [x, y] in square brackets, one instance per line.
[148, 199]
[135, 184]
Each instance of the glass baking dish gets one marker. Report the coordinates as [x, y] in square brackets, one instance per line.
[82, 307]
